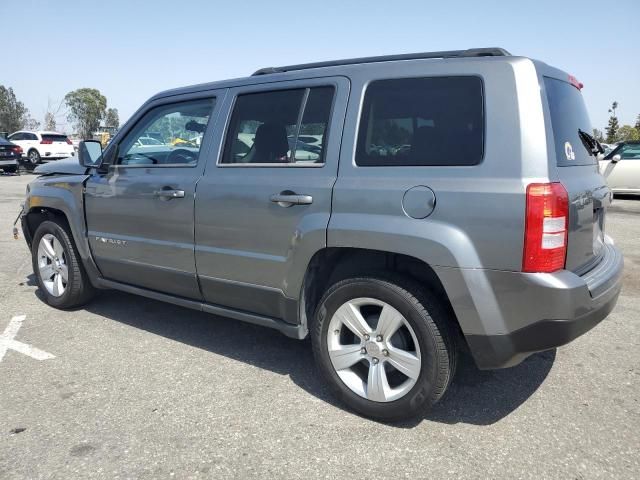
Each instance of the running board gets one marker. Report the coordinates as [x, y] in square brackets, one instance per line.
[298, 332]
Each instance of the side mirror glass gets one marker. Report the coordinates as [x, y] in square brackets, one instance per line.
[90, 153]
[616, 158]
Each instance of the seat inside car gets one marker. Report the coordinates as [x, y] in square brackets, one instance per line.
[270, 144]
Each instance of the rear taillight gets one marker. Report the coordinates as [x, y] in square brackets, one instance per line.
[17, 149]
[46, 142]
[545, 231]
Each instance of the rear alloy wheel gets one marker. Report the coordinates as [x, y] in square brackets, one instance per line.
[372, 357]
[386, 348]
[34, 157]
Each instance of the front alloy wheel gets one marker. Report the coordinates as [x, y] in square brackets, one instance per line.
[52, 265]
[56, 263]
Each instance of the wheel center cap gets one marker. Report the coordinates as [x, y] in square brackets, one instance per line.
[373, 348]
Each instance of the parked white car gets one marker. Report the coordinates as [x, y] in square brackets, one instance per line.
[42, 146]
[621, 168]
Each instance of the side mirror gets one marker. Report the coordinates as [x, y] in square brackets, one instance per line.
[616, 158]
[90, 153]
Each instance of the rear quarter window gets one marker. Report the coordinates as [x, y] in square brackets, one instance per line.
[568, 115]
[431, 121]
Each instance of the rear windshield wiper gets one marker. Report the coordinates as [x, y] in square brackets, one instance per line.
[590, 143]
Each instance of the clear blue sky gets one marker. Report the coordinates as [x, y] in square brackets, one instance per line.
[130, 50]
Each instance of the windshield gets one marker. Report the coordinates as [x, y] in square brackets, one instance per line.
[568, 117]
[627, 151]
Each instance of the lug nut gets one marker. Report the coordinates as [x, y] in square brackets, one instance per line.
[366, 337]
[375, 361]
[363, 350]
[337, 332]
[385, 353]
[379, 338]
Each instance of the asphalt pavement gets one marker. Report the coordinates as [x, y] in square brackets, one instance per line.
[134, 388]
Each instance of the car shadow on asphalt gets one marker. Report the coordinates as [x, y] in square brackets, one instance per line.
[475, 397]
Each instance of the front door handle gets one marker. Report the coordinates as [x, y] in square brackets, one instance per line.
[288, 199]
[169, 193]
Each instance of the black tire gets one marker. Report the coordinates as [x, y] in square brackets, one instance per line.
[33, 157]
[79, 289]
[10, 168]
[433, 328]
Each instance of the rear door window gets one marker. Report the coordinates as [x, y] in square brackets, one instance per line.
[279, 127]
[568, 115]
[433, 121]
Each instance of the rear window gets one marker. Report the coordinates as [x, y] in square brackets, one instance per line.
[568, 115]
[54, 138]
[422, 122]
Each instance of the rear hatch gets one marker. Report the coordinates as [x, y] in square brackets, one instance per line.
[577, 169]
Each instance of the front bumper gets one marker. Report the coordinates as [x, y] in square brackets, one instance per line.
[510, 315]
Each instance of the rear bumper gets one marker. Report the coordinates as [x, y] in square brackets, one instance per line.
[4, 162]
[517, 314]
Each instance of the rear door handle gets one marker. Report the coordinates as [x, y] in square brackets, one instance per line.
[288, 199]
[169, 193]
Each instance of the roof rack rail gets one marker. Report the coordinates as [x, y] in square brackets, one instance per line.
[471, 52]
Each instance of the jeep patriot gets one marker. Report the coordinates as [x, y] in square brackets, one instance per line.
[393, 209]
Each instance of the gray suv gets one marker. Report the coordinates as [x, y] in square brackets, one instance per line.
[393, 209]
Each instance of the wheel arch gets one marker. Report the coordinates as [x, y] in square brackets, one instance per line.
[332, 264]
[60, 199]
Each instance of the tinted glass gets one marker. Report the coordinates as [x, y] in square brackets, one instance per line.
[568, 115]
[15, 136]
[422, 122]
[54, 138]
[312, 135]
[167, 135]
[264, 127]
[629, 151]
[30, 136]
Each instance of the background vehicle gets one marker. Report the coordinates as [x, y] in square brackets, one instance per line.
[607, 147]
[10, 153]
[42, 146]
[621, 168]
[424, 220]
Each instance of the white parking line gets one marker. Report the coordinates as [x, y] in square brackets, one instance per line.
[8, 342]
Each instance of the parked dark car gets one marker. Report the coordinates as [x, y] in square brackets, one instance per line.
[10, 153]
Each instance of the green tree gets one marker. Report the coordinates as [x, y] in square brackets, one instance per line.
[612, 127]
[87, 108]
[626, 133]
[13, 113]
[637, 125]
[112, 119]
[597, 134]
